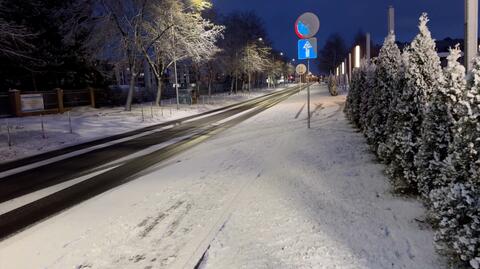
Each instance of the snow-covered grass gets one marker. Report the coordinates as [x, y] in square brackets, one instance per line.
[90, 124]
[268, 193]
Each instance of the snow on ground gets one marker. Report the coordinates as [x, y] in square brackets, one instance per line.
[267, 193]
[89, 124]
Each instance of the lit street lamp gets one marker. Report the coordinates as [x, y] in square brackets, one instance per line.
[357, 57]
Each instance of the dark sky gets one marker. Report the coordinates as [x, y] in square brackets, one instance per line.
[348, 16]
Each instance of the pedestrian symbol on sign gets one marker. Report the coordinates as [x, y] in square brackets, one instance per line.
[307, 48]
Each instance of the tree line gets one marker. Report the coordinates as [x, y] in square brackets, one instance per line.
[77, 43]
[423, 123]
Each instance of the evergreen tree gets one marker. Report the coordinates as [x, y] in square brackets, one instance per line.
[386, 90]
[456, 207]
[441, 113]
[423, 75]
[366, 93]
[371, 88]
[355, 96]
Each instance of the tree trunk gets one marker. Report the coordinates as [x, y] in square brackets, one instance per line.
[232, 83]
[159, 92]
[128, 104]
[209, 87]
[236, 84]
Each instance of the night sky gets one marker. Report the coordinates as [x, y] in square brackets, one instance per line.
[348, 16]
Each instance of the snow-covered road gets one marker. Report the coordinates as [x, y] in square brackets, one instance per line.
[267, 193]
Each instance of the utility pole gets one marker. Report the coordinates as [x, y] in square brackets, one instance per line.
[368, 55]
[471, 32]
[349, 67]
[391, 20]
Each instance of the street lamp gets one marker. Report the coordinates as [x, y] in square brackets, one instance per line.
[357, 57]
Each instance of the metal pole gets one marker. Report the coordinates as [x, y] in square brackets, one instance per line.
[43, 127]
[471, 32]
[143, 116]
[349, 66]
[368, 46]
[308, 92]
[391, 20]
[70, 122]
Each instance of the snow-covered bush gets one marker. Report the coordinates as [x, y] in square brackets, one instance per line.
[457, 208]
[425, 125]
[385, 91]
[423, 76]
[368, 73]
[371, 84]
[332, 85]
[352, 106]
[440, 116]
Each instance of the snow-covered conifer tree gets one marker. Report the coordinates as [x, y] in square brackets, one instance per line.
[386, 90]
[423, 75]
[457, 206]
[441, 113]
[366, 93]
[354, 96]
[371, 84]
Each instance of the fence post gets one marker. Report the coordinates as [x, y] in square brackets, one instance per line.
[8, 135]
[15, 102]
[70, 122]
[44, 136]
[92, 96]
[61, 108]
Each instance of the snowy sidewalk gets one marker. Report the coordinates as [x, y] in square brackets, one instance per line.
[267, 193]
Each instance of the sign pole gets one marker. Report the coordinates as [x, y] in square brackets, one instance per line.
[306, 27]
[308, 92]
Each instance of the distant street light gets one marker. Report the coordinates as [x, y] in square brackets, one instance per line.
[357, 57]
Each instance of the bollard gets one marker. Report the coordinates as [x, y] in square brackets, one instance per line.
[70, 122]
[143, 116]
[44, 136]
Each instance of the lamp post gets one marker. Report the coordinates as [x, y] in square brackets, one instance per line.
[357, 57]
[471, 32]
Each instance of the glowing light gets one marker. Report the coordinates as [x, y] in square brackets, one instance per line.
[357, 57]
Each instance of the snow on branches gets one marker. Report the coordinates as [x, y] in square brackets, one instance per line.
[424, 124]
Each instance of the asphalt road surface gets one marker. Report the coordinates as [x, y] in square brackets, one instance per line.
[189, 132]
